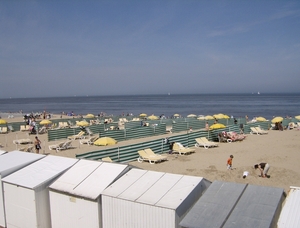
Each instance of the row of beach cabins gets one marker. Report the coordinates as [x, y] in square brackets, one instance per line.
[52, 191]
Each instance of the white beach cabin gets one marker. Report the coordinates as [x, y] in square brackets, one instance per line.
[9, 163]
[142, 198]
[77, 193]
[26, 193]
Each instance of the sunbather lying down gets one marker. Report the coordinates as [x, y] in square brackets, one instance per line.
[235, 136]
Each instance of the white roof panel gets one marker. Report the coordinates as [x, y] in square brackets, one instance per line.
[88, 178]
[2, 152]
[9, 162]
[289, 216]
[40, 172]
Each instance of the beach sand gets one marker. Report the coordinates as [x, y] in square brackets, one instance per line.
[281, 149]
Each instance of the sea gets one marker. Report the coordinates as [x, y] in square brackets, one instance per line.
[234, 105]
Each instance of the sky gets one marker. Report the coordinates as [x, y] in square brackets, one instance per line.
[115, 47]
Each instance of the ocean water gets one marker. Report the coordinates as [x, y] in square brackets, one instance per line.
[237, 105]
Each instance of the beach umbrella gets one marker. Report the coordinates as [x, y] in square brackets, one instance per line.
[277, 119]
[217, 126]
[226, 116]
[45, 122]
[191, 115]
[261, 119]
[90, 115]
[2, 121]
[201, 118]
[176, 115]
[82, 123]
[152, 117]
[209, 117]
[297, 117]
[104, 141]
[143, 115]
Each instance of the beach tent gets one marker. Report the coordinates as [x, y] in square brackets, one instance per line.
[26, 194]
[226, 204]
[289, 216]
[142, 198]
[9, 163]
[78, 190]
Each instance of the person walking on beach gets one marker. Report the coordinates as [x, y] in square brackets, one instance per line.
[37, 144]
[229, 162]
[263, 168]
[206, 126]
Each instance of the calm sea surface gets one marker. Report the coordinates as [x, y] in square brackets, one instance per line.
[237, 105]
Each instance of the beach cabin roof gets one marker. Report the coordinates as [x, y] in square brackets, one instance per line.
[153, 188]
[289, 216]
[236, 205]
[38, 173]
[88, 178]
[12, 161]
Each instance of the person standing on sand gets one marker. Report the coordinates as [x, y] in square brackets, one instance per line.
[264, 168]
[37, 144]
[229, 162]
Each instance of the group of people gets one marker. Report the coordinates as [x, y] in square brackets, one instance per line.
[263, 167]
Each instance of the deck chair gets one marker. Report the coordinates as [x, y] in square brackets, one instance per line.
[88, 130]
[22, 141]
[253, 130]
[107, 159]
[261, 131]
[89, 140]
[27, 149]
[3, 130]
[42, 130]
[78, 136]
[151, 153]
[181, 150]
[61, 146]
[10, 128]
[203, 141]
[143, 156]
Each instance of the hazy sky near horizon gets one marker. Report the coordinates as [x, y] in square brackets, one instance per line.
[66, 48]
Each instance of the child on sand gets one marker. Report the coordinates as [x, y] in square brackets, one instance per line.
[229, 162]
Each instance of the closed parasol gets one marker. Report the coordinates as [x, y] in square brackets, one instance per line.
[105, 141]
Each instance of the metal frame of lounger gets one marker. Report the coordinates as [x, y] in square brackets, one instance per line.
[200, 142]
[151, 153]
[143, 156]
[182, 150]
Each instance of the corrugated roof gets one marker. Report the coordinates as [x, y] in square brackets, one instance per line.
[40, 172]
[88, 178]
[289, 216]
[213, 208]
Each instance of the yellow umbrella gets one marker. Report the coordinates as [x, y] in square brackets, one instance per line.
[176, 115]
[201, 118]
[261, 119]
[191, 115]
[143, 115]
[2, 121]
[152, 117]
[104, 141]
[277, 119]
[226, 116]
[297, 117]
[209, 117]
[45, 122]
[82, 123]
[90, 115]
[217, 126]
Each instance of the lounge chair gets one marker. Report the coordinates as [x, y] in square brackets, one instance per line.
[22, 141]
[78, 136]
[143, 156]
[181, 150]
[42, 130]
[203, 141]
[261, 131]
[253, 130]
[27, 149]
[235, 136]
[89, 140]
[107, 159]
[61, 146]
[10, 128]
[223, 137]
[3, 130]
[151, 153]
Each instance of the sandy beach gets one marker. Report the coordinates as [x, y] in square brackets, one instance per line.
[278, 148]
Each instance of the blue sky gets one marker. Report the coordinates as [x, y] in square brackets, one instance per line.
[66, 48]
